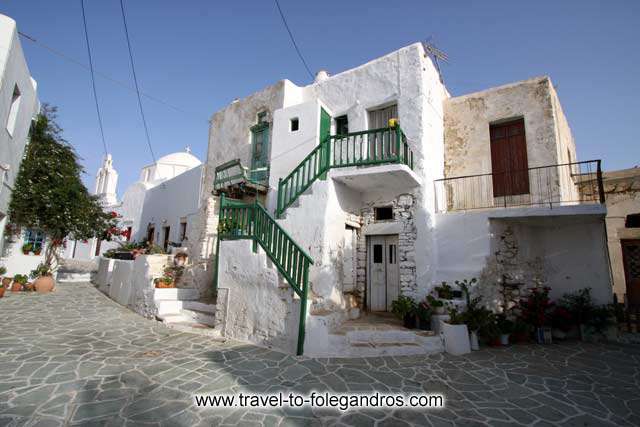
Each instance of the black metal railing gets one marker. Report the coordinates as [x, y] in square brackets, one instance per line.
[562, 184]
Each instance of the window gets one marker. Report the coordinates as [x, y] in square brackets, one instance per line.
[262, 117]
[383, 213]
[35, 238]
[165, 240]
[13, 110]
[392, 254]
[377, 254]
[342, 125]
[151, 230]
[183, 230]
[632, 221]
[294, 124]
[380, 118]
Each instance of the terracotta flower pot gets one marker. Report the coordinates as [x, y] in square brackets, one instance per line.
[7, 281]
[44, 284]
[161, 284]
[2, 289]
[30, 287]
[16, 287]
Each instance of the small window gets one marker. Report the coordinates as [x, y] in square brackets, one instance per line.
[34, 238]
[183, 231]
[262, 117]
[342, 125]
[383, 213]
[632, 221]
[294, 124]
[13, 110]
[377, 254]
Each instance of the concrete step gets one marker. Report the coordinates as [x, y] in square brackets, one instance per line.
[174, 318]
[169, 306]
[405, 346]
[72, 277]
[202, 317]
[195, 328]
[176, 294]
[200, 306]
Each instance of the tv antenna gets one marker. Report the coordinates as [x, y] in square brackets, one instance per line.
[436, 54]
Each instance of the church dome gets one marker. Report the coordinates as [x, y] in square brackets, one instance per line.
[182, 158]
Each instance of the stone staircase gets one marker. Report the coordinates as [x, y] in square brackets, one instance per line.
[179, 308]
[375, 335]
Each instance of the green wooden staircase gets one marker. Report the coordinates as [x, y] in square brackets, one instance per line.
[366, 148]
[239, 220]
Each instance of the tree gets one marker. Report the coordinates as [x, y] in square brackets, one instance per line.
[49, 194]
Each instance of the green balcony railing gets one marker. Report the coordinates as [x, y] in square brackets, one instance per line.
[232, 173]
[365, 148]
[239, 220]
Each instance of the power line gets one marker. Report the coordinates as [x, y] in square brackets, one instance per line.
[93, 79]
[135, 80]
[101, 74]
[295, 45]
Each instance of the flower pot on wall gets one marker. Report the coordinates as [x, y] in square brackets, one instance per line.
[2, 289]
[16, 287]
[44, 284]
[7, 281]
[456, 339]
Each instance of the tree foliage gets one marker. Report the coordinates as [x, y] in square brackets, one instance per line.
[49, 194]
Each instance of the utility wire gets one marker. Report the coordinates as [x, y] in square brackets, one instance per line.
[101, 74]
[295, 45]
[93, 79]
[135, 80]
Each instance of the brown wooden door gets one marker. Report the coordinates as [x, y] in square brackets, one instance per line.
[509, 159]
[631, 260]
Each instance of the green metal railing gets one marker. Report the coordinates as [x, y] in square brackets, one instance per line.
[365, 148]
[233, 172]
[239, 220]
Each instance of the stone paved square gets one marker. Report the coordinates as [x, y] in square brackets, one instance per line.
[74, 357]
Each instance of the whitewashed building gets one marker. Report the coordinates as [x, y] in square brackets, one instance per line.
[331, 199]
[19, 105]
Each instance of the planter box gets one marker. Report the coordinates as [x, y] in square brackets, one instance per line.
[456, 339]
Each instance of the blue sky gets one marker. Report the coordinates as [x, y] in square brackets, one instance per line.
[203, 54]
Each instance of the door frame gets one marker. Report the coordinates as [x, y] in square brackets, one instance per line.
[623, 243]
[369, 255]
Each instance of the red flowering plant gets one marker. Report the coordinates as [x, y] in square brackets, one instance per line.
[536, 308]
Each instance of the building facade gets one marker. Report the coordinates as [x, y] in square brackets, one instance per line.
[19, 105]
[332, 199]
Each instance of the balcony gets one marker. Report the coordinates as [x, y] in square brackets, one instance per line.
[568, 184]
[238, 180]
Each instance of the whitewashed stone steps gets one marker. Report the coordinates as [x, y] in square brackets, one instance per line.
[195, 328]
[73, 277]
[202, 317]
[377, 345]
[176, 294]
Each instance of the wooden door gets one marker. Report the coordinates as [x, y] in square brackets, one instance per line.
[631, 260]
[509, 164]
[260, 152]
[383, 272]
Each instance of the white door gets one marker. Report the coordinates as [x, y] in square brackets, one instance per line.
[383, 272]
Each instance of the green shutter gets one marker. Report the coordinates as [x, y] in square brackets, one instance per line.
[325, 132]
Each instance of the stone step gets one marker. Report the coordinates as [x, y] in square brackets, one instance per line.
[343, 347]
[203, 317]
[169, 306]
[381, 337]
[195, 328]
[72, 277]
[176, 294]
[174, 318]
[200, 306]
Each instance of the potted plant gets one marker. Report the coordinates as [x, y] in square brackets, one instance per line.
[19, 280]
[180, 259]
[491, 333]
[164, 282]
[37, 250]
[405, 309]
[436, 304]
[521, 331]
[505, 327]
[444, 291]
[423, 312]
[26, 248]
[536, 309]
[455, 334]
[43, 276]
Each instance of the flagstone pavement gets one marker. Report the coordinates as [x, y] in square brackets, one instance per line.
[74, 357]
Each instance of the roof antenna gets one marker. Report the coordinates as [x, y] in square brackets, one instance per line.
[436, 55]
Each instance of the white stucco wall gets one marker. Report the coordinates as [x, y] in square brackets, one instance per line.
[13, 72]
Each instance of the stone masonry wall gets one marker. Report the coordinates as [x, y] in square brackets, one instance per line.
[404, 214]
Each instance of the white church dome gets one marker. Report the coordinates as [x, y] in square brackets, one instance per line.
[181, 158]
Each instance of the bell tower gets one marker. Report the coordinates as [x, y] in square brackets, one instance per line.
[106, 182]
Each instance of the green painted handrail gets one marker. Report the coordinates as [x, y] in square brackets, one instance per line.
[364, 148]
[239, 220]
